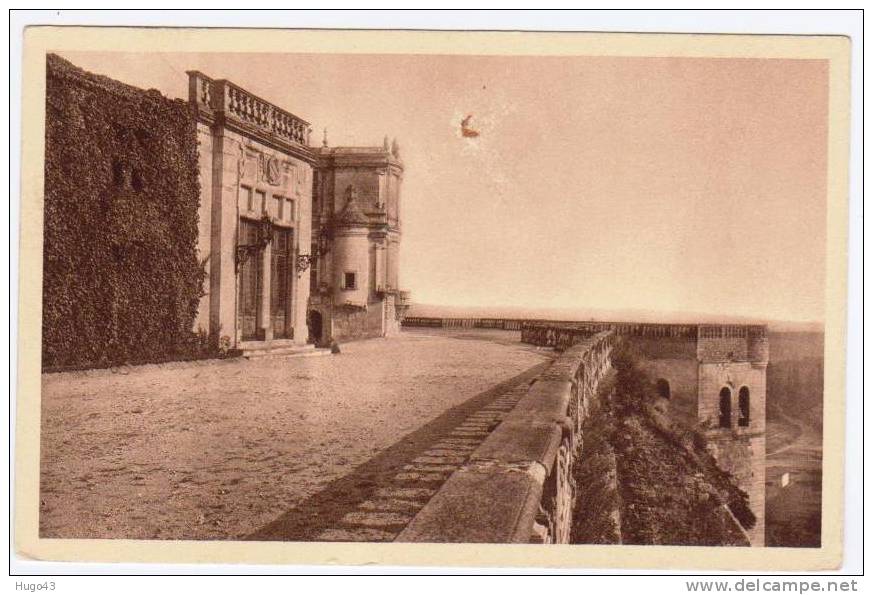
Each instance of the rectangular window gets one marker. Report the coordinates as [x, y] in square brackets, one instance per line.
[350, 280]
[246, 198]
[260, 205]
[283, 208]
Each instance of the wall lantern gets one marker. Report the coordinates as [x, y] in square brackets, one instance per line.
[263, 237]
[303, 262]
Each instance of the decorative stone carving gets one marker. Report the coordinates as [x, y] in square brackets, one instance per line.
[352, 215]
[271, 170]
[242, 162]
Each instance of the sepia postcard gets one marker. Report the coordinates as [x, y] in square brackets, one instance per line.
[432, 298]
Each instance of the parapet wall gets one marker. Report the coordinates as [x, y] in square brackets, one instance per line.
[703, 369]
[551, 335]
[507, 324]
[517, 487]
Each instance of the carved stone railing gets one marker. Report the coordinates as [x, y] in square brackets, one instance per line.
[223, 99]
[509, 324]
[518, 486]
[732, 331]
[420, 321]
[652, 330]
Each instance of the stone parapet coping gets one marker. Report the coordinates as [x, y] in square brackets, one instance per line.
[503, 493]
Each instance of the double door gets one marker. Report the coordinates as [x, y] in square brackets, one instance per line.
[252, 281]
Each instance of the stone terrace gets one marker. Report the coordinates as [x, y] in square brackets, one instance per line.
[269, 449]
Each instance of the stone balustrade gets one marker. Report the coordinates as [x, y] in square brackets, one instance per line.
[508, 324]
[223, 99]
[518, 487]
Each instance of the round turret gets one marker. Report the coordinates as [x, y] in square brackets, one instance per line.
[352, 255]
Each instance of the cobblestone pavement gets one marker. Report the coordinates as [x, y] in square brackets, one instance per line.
[224, 450]
[380, 498]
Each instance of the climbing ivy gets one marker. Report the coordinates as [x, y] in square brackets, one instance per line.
[121, 277]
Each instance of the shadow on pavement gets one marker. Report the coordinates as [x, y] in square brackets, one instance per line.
[323, 510]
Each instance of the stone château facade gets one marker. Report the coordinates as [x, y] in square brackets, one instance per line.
[301, 243]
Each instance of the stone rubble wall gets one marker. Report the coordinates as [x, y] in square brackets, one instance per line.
[518, 486]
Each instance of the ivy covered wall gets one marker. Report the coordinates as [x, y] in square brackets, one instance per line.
[121, 277]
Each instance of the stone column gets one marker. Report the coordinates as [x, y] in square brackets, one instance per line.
[224, 218]
[302, 245]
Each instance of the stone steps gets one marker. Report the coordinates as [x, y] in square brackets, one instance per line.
[277, 349]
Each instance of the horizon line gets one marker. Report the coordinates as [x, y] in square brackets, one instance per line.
[665, 313]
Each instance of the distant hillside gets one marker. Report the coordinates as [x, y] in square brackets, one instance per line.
[795, 345]
[600, 314]
[795, 376]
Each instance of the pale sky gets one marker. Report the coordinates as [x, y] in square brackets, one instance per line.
[676, 184]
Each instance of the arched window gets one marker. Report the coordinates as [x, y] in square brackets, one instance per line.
[663, 388]
[744, 407]
[724, 408]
